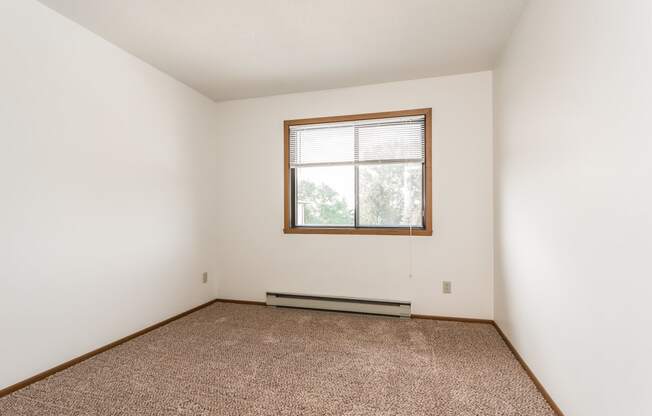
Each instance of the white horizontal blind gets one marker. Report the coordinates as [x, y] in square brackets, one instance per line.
[386, 140]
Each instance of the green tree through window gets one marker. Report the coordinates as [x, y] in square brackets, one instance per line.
[390, 195]
[322, 205]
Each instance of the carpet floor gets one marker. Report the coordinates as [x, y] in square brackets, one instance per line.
[229, 359]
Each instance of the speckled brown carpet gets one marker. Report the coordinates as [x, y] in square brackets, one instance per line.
[229, 359]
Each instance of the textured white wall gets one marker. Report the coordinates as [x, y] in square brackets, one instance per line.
[255, 256]
[102, 185]
[574, 201]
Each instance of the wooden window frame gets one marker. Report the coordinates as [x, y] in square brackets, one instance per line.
[425, 231]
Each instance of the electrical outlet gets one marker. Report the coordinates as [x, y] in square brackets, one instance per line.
[205, 277]
[446, 287]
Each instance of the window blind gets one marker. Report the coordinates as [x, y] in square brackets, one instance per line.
[386, 140]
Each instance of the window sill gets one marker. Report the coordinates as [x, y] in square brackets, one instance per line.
[357, 231]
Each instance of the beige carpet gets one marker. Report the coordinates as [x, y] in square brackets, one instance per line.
[231, 359]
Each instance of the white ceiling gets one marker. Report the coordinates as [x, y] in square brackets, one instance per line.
[229, 49]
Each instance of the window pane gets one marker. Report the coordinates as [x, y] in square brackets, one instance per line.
[391, 195]
[325, 196]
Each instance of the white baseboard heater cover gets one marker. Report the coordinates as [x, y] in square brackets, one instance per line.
[337, 303]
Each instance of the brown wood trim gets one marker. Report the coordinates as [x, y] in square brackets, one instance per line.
[428, 179]
[354, 117]
[287, 211]
[77, 360]
[454, 319]
[529, 372]
[242, 302]
[287, 226]
[358, 231]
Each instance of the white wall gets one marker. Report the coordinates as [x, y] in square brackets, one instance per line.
[574, 201]
[102, 172]
[255, 256]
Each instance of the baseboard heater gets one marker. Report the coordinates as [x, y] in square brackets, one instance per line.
[343, 304]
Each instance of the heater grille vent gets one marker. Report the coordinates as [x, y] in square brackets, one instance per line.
[338, 303]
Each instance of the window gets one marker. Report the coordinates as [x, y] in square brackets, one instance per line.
[360, 174]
